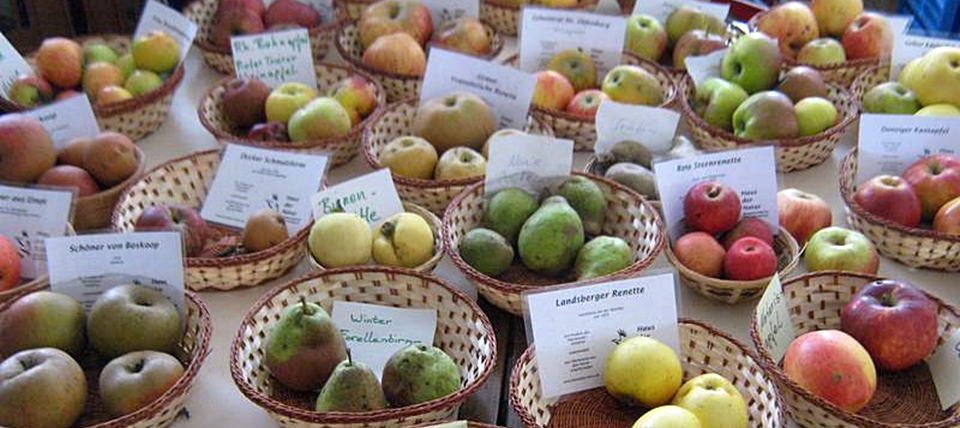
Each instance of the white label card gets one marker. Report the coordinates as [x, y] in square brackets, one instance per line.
[907, 47]
[372, 196]
[374, 332]
[507, 90]
[571, 354]
[702, 67]
[12, 64]
[86, 266]
[157, 16]
[530, 162]
[275, 57]
[445, 10]
[324, 7]
[661, 9]
[28, 217]
[751, 172]
[773, 319]
[67, 119]
[944, 367]
[888, 143]
[250, 179]
[653, 127]
[545, 32]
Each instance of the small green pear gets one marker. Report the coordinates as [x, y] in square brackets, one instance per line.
[351, 388]
[586, 197]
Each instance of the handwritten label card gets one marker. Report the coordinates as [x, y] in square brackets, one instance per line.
[250, 179]
[374, 333]
[888, 143]
[373, 197]
[507, 90]
[445, 10]
[751, 172]
[530, 162]
[661, 9]
[67, 119]
[571, 354]
[157, 16]
[702, 67]
[275, 57]
[773, 319]
[944, 367]
[545, 32]
[86, 266]
[12, 64]
[654, 127]
[28, 217]
[907, 47]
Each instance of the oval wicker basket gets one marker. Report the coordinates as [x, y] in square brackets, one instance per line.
[463, 332]
[865, 82]
[628, 216]
[730, 291]
[340, 149]
[203, 12]
[136, 117]
[904, 399]
[186, 180]
[395, 121]
[36, 284]
[704, 349]
[793, 154]
[506, 19]
[912, 246]
[193, 350]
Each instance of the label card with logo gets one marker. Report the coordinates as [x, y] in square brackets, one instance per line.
[661, 9]
[372, 196]
[250, 179]
[571, 354]
[888, 144]
[324, 7]
[545, 32]
[157, 16]
[67, 119]
[12, 64]
[445, 10]
[86, 266]
[907, 47]
[751, 172]
[28, 217]
[374, 332]
[530, 162]
[275, 57]
[776, 328]
[507, 90]
[700, 68]
[944, 366]
[654, 127]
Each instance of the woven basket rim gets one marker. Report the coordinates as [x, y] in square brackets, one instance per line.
[277, 407]
[581, 5]
[509, 287]
[853, 63]
[772, 368]
[355, 130]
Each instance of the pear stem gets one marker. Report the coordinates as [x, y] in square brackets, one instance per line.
[349, 357]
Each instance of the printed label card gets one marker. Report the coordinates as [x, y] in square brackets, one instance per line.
[661, 9]
[944, 367]
[700, 68]
[571, 354]
[275, 57]
[157, 16]
[12, 64]
[776, 328]
[530, 162]
[372, 196]
[445, 10]
[28, 216]
[324, 7]
[545, 32]
[67, 119]
[374, 332]
[752, 172]
[907, 47]
[507, 90]
[889, 143]
[653, 127]
[250, 179]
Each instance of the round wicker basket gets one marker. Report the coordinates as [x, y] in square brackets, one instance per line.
[865, 82]
[136, 117]
[904, 399]
[912, 246]
[186, 180]
[203, 13]
[193, 350]
[463, 332]
[704, 349]
[340, 149]
[628, 216]
[93, 212]
[506, 19]
[395, 121]
[36, 284]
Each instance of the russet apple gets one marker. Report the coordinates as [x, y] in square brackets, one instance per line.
[60, 62]
[320, 119]
[269, 131]
[586, 103]
[9, 272]
[553, 90]
[714, 400]
[802, 82]
[291, 12]
[41, 387]
[72, 152]
[868, 36]
[753, 62]
[754, 227]
[631, 84]
[823, 51]
[286, 99]
[891, 198]
[646, 37]
[716, 100]
[465, 35]
[243, 102]
[712, 207]
[142, 81]
[815, 115]
[766, 115]
[460, 162]
[934, 77]
[456, 119]
[111, 158]
[890, 98]
[235, 22]
[30, 90]
[392, 16]
[157, 51]
[175, 218]
[130, 382]
[802, 213]
[685, 18]
[43, 319]
[833, 366]
[936, 180]
[26, 149]
[130, 318]
[577, 66]
[947, 219]
[749, 259]
[112, 94]
[833, 16]
[410, 156]
[701, 253]
[72, 177]
[264, 229]
[836, 248]
[792, 23]
[396, 53]
[695, 43]
[942, 110]
[357, 95]
[100, 75]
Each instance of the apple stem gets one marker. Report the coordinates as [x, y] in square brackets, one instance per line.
[349, 357]
[888, 300]
[303, 304]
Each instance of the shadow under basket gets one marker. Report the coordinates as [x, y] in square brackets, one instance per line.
[463, 332]
[506, 19]
[703, 349]
[904, 399]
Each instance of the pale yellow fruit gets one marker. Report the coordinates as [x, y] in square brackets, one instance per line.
[715, 401]
[410, 156]
[938, 110]
[404, 239]
[340, 239]
[642, 371]
[668, 417]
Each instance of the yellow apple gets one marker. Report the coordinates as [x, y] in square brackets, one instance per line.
[286, 99]
[668, 417]
[410, 156]
[715, 402]
[642, 371]
[938, 110]
[936, 77]
[157, 51]
[340, 239]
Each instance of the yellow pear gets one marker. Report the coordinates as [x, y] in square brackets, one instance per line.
[404, 239]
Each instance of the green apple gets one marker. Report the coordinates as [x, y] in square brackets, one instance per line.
[716, 101]
[410, 156]
[142, 81]
[134, 380]
[767, 115]
[127, 65]
[43, 319]
[286, 99]
[939, 110]
[936, 79]
[822, 51]
[631, 84]
[156, 51]
[41, 387]
[646, 37]
[686, 18]
[836, 248]
[131, 318]
[753, 62]
[98, 52]
[460, 162]
[890, 98]
[715, 401]
[577, 66]
[815, 115]
[30, 90]
[320, 119]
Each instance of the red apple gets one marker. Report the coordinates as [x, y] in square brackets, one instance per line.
[868, 36]
[748, 259]
[9, 264]
[176, 218]
[711, 207]
[701, 253]
[695, 43]
[947, 219]
[802, 213]
[243, 101]
[26, 149]
[396, 53]
[936, 179]
[355, 94]
[553, 90]
[270, 131]
[586, 103]
[70, 176]
[392, 16]
[235, 22]
[891, 198]
[466, 35]
[291, 12]
[752, 226]
[833, 366]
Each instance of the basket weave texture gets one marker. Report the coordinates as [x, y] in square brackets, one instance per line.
[506, 19]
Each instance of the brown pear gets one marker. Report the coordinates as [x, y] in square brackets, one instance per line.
[72, 152]
[264, 229]
[111, 158]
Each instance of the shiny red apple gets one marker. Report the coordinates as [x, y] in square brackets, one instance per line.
[891, 198]
[711, 207]
[802, 213]
[936, 179]
[749, 259]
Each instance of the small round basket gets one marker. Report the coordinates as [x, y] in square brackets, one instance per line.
[463, 332]
[904, 399]
[793, 154]
[350, 10]
[912, 246]
[506, 19]
[340, 149]
[193, 350]
[865, 82]
[136, 117]
[36, 284]
[186, 180]
[628, 216]
[203, 13]
[703, 349]
[730, 291]
[395, 121]
[435, 225]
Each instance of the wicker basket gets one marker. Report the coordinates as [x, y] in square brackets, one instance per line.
[434, 195]
[730, 291]
[912, 246]
[463, 331]
[202, 12]
[793, 154]
[136, 117]
[193, 350]
[628, 216]
[186, 180]
[341, 149]
[506, 19]
[904, 399]
[704, 349]
[865, 82]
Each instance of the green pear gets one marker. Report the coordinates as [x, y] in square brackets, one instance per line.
[716, 101]
[486, 251]
[551, 238]
[419, 373]
[602, 256]
[304, 347]
[508, 210]
[352, 387]
[587, 199]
